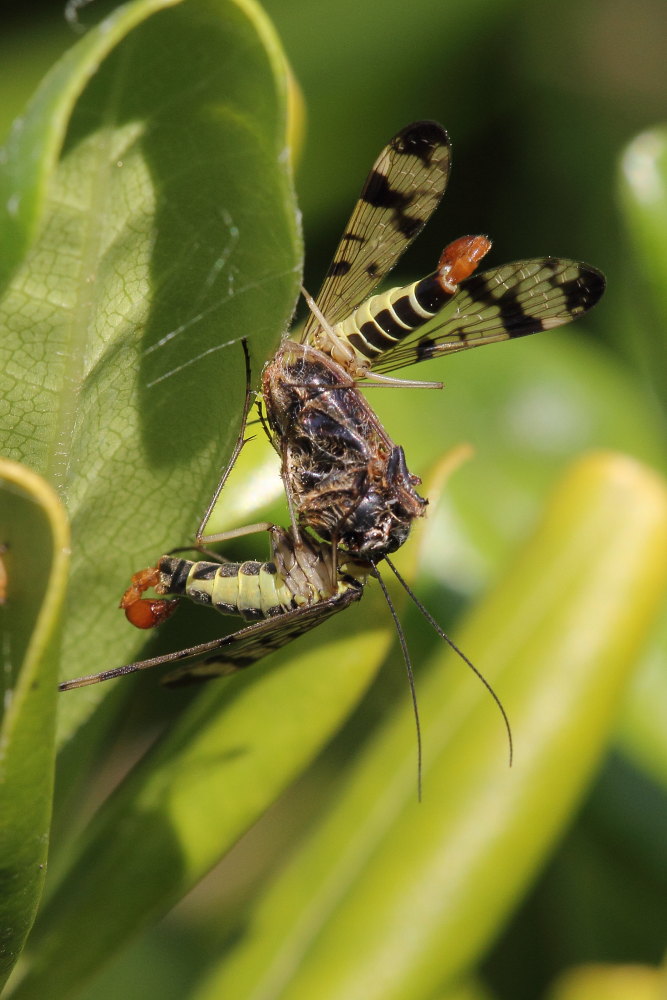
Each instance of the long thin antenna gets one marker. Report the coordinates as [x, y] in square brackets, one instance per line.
[410, 673]
[450, 642]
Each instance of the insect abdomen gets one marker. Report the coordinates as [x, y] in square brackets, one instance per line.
[252, 590]
[385, 320]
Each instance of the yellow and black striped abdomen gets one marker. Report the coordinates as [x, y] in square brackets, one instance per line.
[385, 320]
[251, 589]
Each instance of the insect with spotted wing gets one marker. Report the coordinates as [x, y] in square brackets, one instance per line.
[344, 476]
[302, 585]
[297, 590]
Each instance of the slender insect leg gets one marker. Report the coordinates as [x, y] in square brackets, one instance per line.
[225, 536]
[263, 422]
[292, 506]
[200, 537]
[378, 381]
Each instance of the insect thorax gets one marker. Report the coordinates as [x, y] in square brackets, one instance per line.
[346, 478]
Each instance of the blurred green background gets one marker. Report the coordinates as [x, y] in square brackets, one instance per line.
[544, 104]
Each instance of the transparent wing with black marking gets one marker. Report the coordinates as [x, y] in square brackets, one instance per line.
[400, 194]
[510, 301]
[243, 648]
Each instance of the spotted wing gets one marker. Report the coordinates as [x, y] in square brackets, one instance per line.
[248, 645]
[510, 301]
[400, 194]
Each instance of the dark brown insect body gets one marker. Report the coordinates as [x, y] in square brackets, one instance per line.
[345, 478]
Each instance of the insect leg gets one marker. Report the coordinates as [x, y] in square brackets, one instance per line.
[200, 537]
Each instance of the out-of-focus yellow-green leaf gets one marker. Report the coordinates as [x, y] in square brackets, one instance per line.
[643, 181]
[642, 733]
[34, 539]
[643, 198]
[609, 982]
[228, 757]
[469, 990]
[393, 899]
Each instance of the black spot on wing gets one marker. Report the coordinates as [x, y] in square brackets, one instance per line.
[574, 295]
[481, 290]
[516, 320]
[338, 268]
[420, 139]
[506, 303]
[409, 225]
[379, 193]
[581, 293]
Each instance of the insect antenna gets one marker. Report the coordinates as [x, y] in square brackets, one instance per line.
[459, 652]
[408, 667]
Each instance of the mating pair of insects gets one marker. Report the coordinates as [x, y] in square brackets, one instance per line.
[351, 497]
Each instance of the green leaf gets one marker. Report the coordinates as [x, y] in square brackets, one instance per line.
[643, 180]
[230, 754]
[35, 139]
[641, 732]
[643, 197]
[468, 990]
[153, 187]
[422, 889]
[609, 982]
[35, 546]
